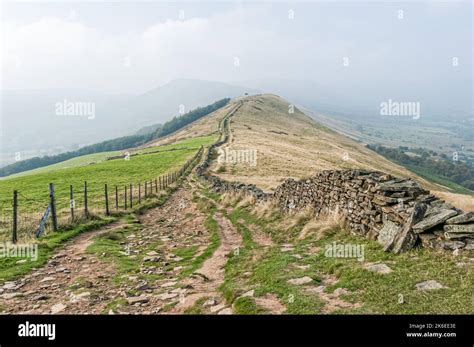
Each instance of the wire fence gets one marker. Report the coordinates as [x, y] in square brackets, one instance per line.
[68, 205]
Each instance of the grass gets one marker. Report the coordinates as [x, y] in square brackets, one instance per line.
[109, 247]
[70, 163]
[34, 191]
[270, 269]
[10, 270]
[118, 172]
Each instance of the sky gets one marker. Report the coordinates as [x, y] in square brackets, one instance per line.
[131, 47]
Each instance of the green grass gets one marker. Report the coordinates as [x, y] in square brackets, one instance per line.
[33, 190]
[71, 163]
[270, 270]
[34, 193]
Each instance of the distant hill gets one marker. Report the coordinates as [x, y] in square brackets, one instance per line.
[120, 143]
[32, 128]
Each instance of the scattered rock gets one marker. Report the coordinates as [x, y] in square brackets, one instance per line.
[167, 296]
[225, 311]
[300, 281]
[429, 285]
[217, 308]
[59, 307]
[137, 299]
[8, 296]
[378, 268]
[250, 293]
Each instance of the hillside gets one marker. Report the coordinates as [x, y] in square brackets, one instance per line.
[294, 145]
[180, 247]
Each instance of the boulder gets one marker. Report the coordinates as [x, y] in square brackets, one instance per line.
[406, 239]
[460, 228]
[433, 220]
[466, 217]
[388, 232]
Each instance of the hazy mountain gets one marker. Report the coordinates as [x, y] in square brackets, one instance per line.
[32, 126]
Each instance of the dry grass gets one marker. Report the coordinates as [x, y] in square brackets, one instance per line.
[230, 198]
[246, 200]
[298, 219]
[464, 202]
[294, 145]
[322, 224]
[266, 209]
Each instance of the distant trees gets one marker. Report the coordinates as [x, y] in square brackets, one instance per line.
[431, 162]
[116, 144]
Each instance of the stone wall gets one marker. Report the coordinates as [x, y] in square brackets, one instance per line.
[397, 212]
[216, 184]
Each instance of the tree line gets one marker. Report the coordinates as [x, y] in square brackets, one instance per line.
[430, 162]
[116, 144]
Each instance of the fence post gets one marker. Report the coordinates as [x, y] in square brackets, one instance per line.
[139, 193]
[15, 216]
[159, 179]
[131, 196]
[125, 202]
[86, 211]
[156, 185]
[146, 184]
[71, 201]
[52, 201]
[106, 200]
[116, 197]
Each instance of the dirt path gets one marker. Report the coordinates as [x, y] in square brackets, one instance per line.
[75, 281]
[52, 288]
[210, 276]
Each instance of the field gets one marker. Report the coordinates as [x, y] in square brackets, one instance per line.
[142, 165]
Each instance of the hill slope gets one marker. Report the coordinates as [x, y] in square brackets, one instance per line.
[294, 145]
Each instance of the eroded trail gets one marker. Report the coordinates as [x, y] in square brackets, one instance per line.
[163, 263]
[207, 279]
[52, 288]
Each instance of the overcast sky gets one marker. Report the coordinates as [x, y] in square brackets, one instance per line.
[132, 47]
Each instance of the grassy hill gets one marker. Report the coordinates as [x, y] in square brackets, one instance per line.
[294, 145]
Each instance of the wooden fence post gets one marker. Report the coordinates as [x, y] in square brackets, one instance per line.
[159, 179]
[52, 201]
[71, 201]
[116, 197]
[106, 200]
[156, 185]
[131, 196]
[86, 211]
[125, 202]
[139, 193]
[15, 216]
[146, 184]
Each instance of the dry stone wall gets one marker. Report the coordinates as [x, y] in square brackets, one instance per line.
[397, 212]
